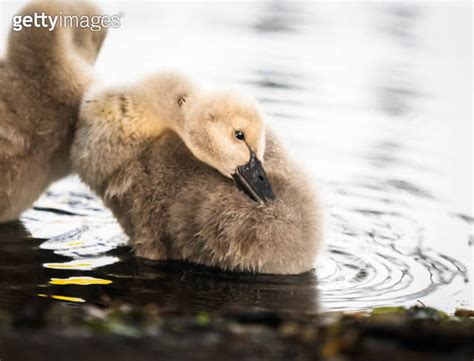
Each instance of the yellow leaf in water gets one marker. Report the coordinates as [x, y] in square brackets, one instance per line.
[74, 243]
[63, 298]
[67, 298]
[82, 281]
[69, 265]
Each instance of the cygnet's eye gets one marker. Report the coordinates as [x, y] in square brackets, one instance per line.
[239, 135]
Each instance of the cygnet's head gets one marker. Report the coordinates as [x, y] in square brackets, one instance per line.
[225, 130]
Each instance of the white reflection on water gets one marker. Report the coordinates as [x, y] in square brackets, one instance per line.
[373, 99]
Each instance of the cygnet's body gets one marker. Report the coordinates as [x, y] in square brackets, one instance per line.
[174, 206]
[42, 81]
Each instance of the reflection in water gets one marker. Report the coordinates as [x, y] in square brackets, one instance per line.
[191, 288]
[365, 124]
[173, 286]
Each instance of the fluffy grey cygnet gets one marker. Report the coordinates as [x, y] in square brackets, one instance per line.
[42, 81]
[162, 154]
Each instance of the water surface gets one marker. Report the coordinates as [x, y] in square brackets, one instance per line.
[373, 100]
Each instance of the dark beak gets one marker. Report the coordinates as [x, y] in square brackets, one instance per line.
[252, 179]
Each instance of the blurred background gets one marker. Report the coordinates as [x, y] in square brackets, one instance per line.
[373, 99]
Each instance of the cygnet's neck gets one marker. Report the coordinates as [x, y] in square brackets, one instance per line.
[159, 105]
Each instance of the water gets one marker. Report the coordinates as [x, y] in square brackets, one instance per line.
[374, 100]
